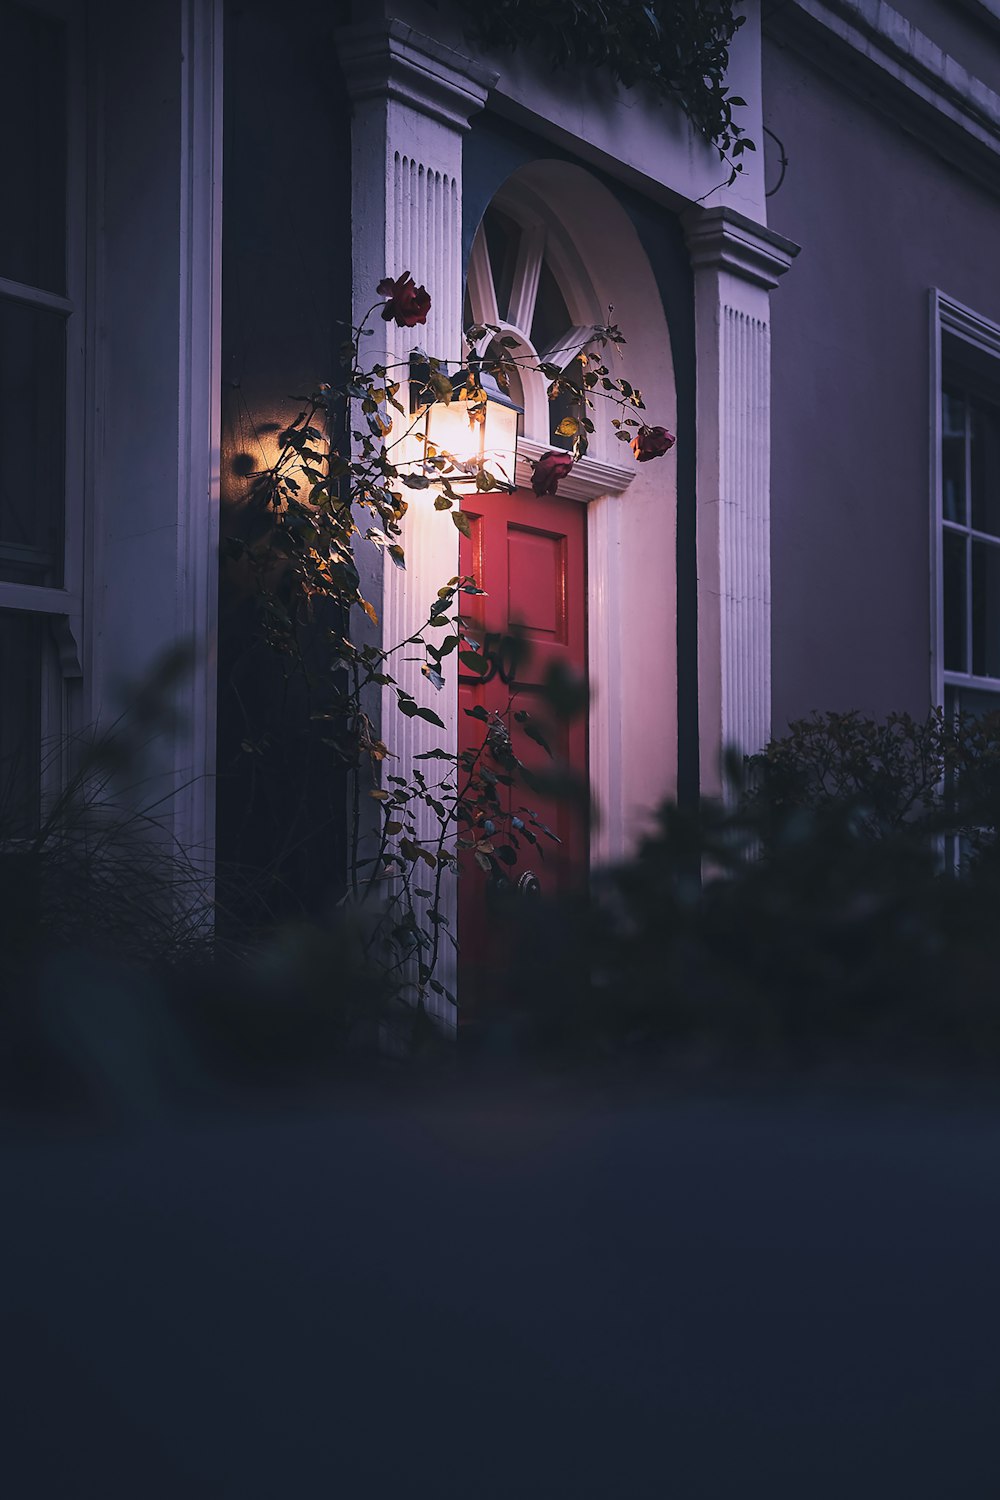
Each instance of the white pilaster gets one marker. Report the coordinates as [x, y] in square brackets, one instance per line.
[736, 263]
[153, 429]
[413, 99]
[199, 418]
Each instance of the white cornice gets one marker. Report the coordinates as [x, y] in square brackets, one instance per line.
[391, 59]
[587, 480]
[927, 91]
[724, 238]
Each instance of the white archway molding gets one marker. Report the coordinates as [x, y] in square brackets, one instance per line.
[604, 274]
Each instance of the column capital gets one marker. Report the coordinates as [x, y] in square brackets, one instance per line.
[721, 238]
[388, 59]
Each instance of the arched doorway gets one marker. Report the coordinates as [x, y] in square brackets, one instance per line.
[554, 566]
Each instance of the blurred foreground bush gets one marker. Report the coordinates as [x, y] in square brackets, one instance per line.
[841, 902]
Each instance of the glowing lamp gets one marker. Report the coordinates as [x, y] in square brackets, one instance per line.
[477, 435]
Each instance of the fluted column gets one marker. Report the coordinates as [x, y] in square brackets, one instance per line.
[412, 102]
[736, 263]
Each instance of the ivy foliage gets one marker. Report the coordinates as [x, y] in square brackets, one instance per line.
[679, 49]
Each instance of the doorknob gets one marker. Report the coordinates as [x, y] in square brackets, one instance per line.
[529, 884]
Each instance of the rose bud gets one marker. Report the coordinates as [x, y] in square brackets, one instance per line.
[548, 472]
[652, 442]
[408, 303]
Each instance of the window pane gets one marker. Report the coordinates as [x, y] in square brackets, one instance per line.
[32, 458]
[503, 238]
[954, 602]
[552, 319]
[953, 456]
[33, 160]
[972, 701]
[985, 610]
[985, 430]
[565, 405]
[20, 722]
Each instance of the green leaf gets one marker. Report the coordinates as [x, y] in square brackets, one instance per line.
[475, 662]
[534, 733]
[443, 503]
[441, 386]
[412, 710]
[461, 520]
[478, 712]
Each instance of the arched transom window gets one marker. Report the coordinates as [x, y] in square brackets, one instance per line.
[525, 278]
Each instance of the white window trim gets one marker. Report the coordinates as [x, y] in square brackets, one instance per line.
[949, 316]
[64, 606]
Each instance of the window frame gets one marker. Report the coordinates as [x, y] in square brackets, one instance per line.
[979, 336]
[63, 607]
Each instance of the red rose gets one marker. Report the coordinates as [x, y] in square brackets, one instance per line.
[548, 472]
[652, 442]
[408, 303]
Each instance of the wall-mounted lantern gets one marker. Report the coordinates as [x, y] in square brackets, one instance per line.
[478, 429]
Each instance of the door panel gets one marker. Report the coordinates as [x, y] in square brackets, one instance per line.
[529, 554]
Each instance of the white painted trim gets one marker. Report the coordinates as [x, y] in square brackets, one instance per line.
[482, 289]
[42, 601]
[722, 239]
[930, 92]
[949, 316]
[736, 263]
[589, 478]
[936, 507]
[199, 382]
[390, 60]
[71, 633]
[17, 291]
[967, 324]
[527, 271]
[606, 618]
[977, 684]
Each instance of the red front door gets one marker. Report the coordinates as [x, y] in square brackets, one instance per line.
[529, 554]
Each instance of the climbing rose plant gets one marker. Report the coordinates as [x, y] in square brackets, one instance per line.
[652, 442]
[549, 470]
[339, 479]
[408, 303]
[678, 50]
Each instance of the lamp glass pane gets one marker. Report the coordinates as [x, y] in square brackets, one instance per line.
[449, 428]
[500, 446]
